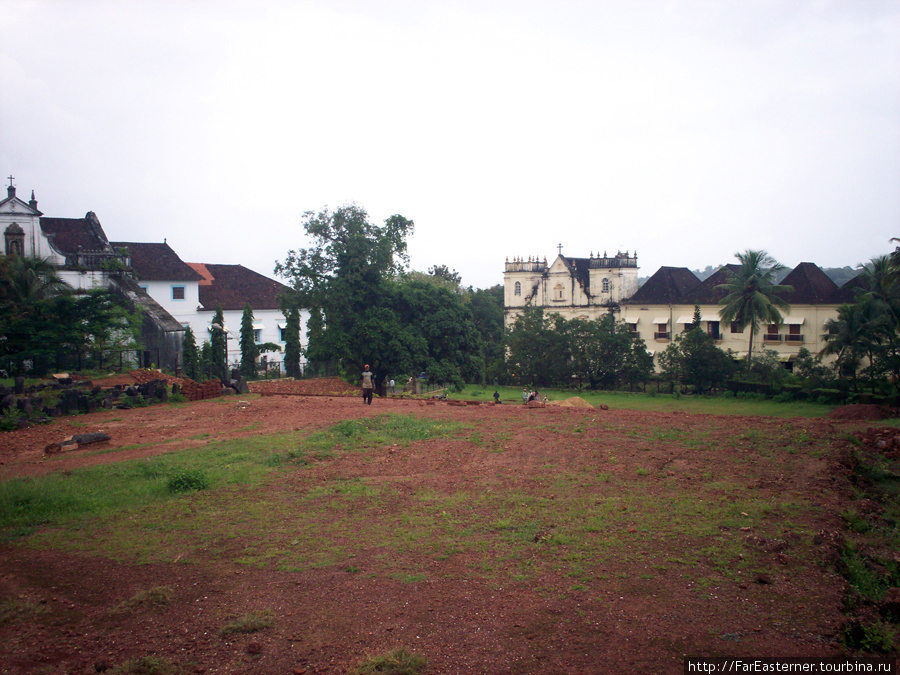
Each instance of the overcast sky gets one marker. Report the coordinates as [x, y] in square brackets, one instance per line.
[684, 130]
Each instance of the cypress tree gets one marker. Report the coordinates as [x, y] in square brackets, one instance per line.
[190, 355]
[249, 348]
[292, 343]
[219, 344]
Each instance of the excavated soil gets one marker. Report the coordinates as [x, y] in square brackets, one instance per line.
[626, 616]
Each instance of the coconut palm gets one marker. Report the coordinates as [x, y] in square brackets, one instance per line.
[26, 279]
[883, 288]
[857, 333]
[753, 298]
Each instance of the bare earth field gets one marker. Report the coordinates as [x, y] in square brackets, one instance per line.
[582, 537]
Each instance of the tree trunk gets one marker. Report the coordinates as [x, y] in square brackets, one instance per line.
[750, 350]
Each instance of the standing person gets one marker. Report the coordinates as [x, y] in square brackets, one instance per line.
[392, 387]
[524, 394]
[368, 384]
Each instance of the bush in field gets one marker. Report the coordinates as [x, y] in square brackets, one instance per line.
[188, 481]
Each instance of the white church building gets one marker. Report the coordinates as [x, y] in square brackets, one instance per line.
[172, 294]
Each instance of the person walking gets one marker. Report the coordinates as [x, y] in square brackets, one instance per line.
[368, 384]
[392, 387]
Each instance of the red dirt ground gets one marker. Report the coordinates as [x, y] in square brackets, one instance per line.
[327, 620]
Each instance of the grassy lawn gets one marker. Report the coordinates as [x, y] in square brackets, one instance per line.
[655, 402]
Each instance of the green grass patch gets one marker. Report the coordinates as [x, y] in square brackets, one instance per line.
[146, 665]
[659, 402]
[396, 662]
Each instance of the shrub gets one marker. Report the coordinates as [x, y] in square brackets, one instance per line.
[875, 637]
[9, 421]
[188, 481]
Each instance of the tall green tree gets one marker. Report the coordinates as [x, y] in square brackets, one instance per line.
[537, 353]
[345, 279]
[249, 347]
[292, 346]
[190, 355]
[218, 340]
[208, 368]
[752, 300]
[694, 359]
[437, 327]
[41, 317]
[486, 305]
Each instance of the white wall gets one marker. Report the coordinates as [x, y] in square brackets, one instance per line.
[185, 310]
[268, 321]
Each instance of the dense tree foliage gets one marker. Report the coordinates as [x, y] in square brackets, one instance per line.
[486, 305]
[365, 309]
[692, 358]
[41, 317]
[864, 336]
[544, 350]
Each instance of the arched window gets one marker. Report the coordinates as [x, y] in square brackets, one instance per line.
[558, 291]
[518, 288]
[606, 285]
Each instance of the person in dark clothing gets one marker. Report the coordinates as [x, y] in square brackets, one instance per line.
[368, 385]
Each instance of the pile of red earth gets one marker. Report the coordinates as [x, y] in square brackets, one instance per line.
[885, 440]
[862, 411]
[322, 386]
[146, 375]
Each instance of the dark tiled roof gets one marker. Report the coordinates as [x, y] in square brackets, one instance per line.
[233, 286]
[668, 286]
[708, 292]
[71, 235]
[580, 268]
[157, 262]
[849, 291]
[811, 286]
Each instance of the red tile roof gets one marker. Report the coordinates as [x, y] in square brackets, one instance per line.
[233, 286]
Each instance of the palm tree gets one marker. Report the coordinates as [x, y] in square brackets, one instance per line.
[26, 279]
[856, 333]
[752, 298]
[883, 288]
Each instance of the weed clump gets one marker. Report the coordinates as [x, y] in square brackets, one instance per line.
[145, 665]
[396, 662]
[188, 481]
[250, 623]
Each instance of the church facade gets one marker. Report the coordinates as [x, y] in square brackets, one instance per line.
[572, 287]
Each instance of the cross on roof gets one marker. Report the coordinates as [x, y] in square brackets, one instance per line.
[10, 177]
[559, 246]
